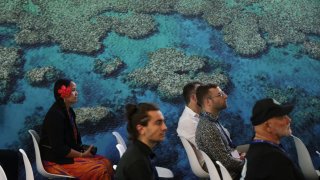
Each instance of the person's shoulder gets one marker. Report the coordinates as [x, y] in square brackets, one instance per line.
[182, 118]
[204, 123]
[133, 151]
[205, 128]
[186, 120]
[268, 153]
[277, 155]
[201, 125]
[55, 107]
[132, 156]
[186, 114]
[55, 111]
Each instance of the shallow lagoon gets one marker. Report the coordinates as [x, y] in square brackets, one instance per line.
[283, 68]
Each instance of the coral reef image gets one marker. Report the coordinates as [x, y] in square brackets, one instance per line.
[131, 51]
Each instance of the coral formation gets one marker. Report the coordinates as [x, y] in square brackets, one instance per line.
[10, 69]
[218, 14]
[68, 24]
[155, 6]
[79, 27]
[17, 97]
[135, 26]
[93, 119]
[287, 95]
[169, 70]
[263, 23]
[289, 21]
[76, 26]
[312, 48]
[242, 34]
[190, 7]
[92, 115]
[108, 68]
[43, 76]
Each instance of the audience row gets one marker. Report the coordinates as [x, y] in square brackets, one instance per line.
[62, 150]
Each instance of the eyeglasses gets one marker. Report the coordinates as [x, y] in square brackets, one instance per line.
[220, 94]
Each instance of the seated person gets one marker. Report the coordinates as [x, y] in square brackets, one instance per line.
[189, 118]
[266, 159]
[146, 128]
[211, 136]
[60, 141]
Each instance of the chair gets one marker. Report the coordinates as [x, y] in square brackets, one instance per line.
[193, 160]
[164, 172]
[40, 168]
[120, 140]
[305, 161]
[225, 173]
[27, 165]
[2, 174]
[121, 151]
[213, 172]
[243, 148]
[122, 147]
[244, 170]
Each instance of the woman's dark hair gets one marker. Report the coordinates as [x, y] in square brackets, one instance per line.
[203, 91]
[57, 86]
[138, 114]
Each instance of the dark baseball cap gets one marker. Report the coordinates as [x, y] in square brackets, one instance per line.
[267, 108]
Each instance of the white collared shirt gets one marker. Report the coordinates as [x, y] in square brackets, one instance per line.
[187, 125]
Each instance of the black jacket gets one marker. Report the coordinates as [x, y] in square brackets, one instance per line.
[57, 137]
[136, 163]
[269, 162]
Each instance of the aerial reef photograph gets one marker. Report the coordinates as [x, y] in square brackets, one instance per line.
[120, 52]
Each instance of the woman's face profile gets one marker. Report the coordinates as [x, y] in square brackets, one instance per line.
[73, 98]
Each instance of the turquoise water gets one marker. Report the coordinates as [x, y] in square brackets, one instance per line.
[194, 37]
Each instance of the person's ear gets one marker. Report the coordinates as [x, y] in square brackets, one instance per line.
[193, 97]
[140, 129]
[268, 126]
[207, 101]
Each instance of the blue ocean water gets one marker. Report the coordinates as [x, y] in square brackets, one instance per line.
[191, 35]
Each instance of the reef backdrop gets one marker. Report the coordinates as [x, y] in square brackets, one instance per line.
[121, 51]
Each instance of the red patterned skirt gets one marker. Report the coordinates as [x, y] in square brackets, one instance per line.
[97, 167]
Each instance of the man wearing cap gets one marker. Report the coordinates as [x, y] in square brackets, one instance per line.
[266, 159]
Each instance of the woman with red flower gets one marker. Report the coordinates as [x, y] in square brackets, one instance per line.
[60, 143]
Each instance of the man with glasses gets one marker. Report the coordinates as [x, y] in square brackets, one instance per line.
[211, 137]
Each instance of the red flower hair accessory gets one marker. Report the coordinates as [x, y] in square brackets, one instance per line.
[64, 91]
